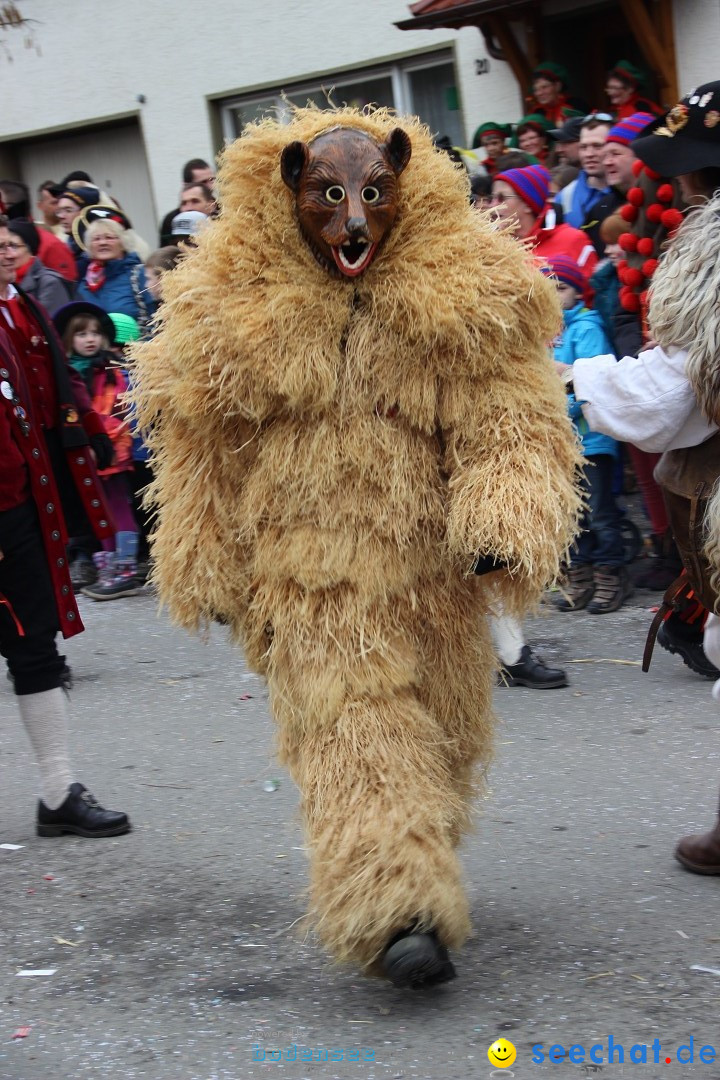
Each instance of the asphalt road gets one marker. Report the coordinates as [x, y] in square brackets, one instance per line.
[179, 952]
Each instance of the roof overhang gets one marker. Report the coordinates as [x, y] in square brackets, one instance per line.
[453, 14]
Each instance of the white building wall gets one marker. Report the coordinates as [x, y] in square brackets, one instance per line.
[95, 61]
[697, 42]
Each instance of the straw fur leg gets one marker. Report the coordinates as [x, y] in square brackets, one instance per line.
[382, 806]
[379, 806]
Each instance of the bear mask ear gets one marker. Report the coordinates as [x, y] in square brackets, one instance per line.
[293, 160]
[398, 149]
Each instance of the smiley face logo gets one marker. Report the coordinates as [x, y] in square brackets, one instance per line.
[502, 1054]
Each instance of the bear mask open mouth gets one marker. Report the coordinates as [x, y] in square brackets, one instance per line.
[353, 257]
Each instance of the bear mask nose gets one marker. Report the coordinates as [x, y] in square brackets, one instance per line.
[356, 226]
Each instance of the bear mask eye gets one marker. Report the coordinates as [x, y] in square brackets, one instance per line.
[335, 194]
[370, 194]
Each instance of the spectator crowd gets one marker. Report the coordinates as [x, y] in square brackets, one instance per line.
[564, 180]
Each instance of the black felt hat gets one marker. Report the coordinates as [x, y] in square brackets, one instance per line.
[688, 137]
[84, 307]
[99, 212]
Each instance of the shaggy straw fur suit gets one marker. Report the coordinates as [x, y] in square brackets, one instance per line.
[331, 455]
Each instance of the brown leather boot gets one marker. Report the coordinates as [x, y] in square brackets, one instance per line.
[579, 587]
[701, 853]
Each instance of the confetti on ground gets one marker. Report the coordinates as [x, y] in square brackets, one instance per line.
[245, 697]
[11, 847]
[64, 941]
[707, 970]
[682, 934]
[48, 877]
[22, 1033]
[253, 946]
[29, 973]
[600, 975]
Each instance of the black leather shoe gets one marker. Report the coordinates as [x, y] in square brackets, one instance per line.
[415, 959]
[685, 640]
[82, 815]
[532, 672]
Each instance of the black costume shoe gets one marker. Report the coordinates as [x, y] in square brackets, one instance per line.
[532, 672]
[685, 640]
[82, 815]
[415, 959]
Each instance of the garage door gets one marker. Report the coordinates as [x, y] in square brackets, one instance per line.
[114, 157]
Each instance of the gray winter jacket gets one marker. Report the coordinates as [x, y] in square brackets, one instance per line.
[46, 286]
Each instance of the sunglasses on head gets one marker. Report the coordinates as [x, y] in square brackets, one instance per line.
[603, 117]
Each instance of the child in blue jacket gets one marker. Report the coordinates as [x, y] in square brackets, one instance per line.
[597, 577]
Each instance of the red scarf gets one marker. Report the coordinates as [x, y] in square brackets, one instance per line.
[95, 276]
[21, 271]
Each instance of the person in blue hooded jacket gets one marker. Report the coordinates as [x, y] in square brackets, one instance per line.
[597, 578]
[112, 276]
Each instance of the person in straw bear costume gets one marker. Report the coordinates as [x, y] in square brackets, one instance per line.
[350, 406]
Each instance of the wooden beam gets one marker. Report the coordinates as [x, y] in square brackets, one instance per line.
[516, 58]
[657, 54]
[667, 36]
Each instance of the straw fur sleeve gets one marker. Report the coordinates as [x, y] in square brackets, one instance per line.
[511, 455]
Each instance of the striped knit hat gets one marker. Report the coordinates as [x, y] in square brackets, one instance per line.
[566, 270]
[626, 131]
[532, 184]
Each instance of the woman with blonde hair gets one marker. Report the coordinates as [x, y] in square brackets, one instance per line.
[111, 273]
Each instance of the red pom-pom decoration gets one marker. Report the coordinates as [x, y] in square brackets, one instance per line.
[633, 277]
[651, 173]
[654, 212]
[649, 267]
[636, 196]
[665, 193]
[671, 218]
[645, 246]
[629, 300]
[637, 167]
[628, 213]
[620, 266]
[628, 241]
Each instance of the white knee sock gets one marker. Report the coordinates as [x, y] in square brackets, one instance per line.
[508, 637]
[45, 718]
[711, 647]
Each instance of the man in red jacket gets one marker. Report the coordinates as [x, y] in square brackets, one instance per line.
[53, 252]
[36, 597]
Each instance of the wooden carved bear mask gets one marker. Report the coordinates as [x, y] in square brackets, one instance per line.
[346, 191]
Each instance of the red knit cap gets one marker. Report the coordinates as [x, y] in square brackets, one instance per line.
[627, 130]
[531, 183]
[566, 270]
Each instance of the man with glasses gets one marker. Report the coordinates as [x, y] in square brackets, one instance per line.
[580, 196]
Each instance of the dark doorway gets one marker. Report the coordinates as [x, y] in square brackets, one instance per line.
[588, 43]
